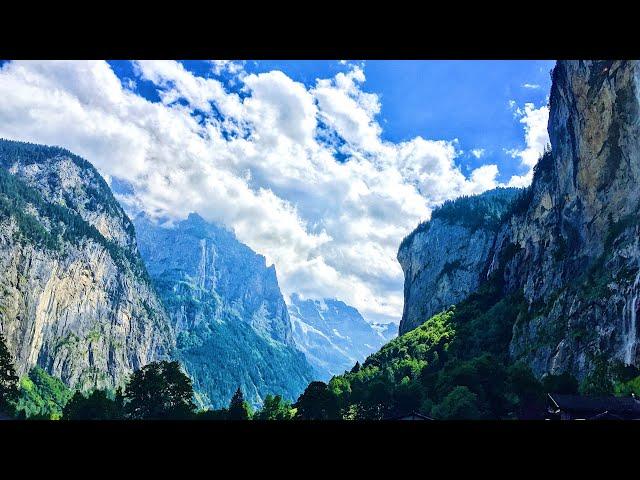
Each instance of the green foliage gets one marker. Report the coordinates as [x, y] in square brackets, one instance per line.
[528, 393]
[221, 353]
[239, 408]
[460, 404]
[63, 224]
[544, 164]
[159, 390]
[599, 381]
[625, 389]
[100, 194]
[96, 406]
[42, 396]
[454, 365]
[475, 211]
[316, 403]
[521, 203]
[486, 210]
[275, 408]
[8, 380]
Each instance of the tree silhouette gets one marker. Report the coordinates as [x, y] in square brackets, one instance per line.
[238, 408]
[159, 390]
[317, 403]
[97, 406]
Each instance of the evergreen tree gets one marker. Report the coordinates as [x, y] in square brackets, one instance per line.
[159, 390]
[97, 406]
[275, 408]
[8, 380]
[239, 409]
[460, 404]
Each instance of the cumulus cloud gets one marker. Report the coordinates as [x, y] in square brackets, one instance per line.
[301, 174]
[477, 152]
[536, 138]
[229, 66]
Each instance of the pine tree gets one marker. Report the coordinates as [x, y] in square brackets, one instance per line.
[238, 407]
[8, 380]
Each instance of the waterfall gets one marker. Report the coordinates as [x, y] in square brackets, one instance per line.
[629, 313]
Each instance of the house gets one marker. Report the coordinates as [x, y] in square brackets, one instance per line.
[412, 416]
[577, 407]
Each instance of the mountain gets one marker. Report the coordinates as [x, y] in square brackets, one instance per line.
[232, 325]
[570, 243]
[548, 298]
[572, 249]
[333, 335]
[75, 297]
[443, 259]
[388, 331]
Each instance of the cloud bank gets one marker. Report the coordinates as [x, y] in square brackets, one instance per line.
[301, 174]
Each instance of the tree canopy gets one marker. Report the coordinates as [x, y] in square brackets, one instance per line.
[159, 390]
[239, 408]
[96, 406]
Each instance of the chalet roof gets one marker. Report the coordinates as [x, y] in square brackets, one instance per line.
[611, 405]
[418, 416]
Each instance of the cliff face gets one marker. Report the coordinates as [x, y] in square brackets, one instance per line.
[444, 258]
[570, 243]
[74, 295]
[575, 245]
[231, 321]
[333, 335]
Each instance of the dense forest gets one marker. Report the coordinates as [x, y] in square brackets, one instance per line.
[159, 390]
[472, 211]
[454, 366]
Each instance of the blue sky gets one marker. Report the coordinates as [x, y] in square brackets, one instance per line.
[443, 99]
[321, 166]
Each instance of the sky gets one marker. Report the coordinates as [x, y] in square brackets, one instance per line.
[323, 167]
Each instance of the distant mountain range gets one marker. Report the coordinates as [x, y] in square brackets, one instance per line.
[89, 296]
[333, 335]
[231, 322]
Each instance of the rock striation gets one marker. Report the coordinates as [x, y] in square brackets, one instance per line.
[75, 298]
[231, 321]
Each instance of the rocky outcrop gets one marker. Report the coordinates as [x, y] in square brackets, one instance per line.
[574, 246]
[232, 325]
[570, 243]
[443, 259]
[333, 335]
[74, 295]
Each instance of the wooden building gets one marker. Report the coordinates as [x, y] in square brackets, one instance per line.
[577, 407]
[412, 416]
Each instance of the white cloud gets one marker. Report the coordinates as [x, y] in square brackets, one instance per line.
[262, 163]
[536, 139]
[532, 86]
[230, 66]
[477, 152]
